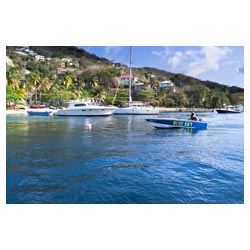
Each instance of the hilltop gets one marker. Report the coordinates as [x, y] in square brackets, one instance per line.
[59, 73]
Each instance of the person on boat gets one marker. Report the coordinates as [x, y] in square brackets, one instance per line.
[193, 117]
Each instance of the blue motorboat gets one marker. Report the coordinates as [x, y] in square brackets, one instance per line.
[40, 112]
[176, 123]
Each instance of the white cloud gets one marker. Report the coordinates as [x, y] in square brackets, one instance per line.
[177, 60]
[157, 53]
[195, 62]
[213, 56]
[163, 53]
[111, 52]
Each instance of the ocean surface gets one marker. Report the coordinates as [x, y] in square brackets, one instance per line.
[124, 160]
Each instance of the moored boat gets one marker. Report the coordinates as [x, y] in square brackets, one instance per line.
[36, 106]
[39, 112]
[135, 108]
[85, 109]
[176, 123]
[229, 109]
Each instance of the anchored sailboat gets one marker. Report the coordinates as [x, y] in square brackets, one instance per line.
[138, 108]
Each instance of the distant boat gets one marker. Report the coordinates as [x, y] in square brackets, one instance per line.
[136, 108]
[229, 109]
[176, 123]
[35, 106]
[85, 109]
[40, 112]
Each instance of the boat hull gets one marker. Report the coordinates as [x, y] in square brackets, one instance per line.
[224, 111]
[176, 123]
[85, 112]
[40, 113]
[136, 111]
[37, 106]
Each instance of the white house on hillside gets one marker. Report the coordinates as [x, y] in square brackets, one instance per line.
[40, 58]
[125, 80]
[166, 84]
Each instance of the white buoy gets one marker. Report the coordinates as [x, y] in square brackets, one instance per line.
[89, 126]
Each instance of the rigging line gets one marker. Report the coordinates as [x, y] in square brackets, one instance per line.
[129, 55]
[124, 60]
[116, 91]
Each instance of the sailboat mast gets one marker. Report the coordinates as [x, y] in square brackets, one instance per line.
[130, 76]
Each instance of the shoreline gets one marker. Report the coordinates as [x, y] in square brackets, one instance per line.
[16, 112]
[161, 110]
[188, 110]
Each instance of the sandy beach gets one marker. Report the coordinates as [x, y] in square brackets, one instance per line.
[16, 112]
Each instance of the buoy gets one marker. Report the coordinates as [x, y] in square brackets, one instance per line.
[89, 126]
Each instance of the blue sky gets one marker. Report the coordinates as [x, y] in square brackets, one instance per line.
[222, 64]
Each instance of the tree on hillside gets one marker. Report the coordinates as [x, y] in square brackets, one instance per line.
[180, 99]
[237, 98]
[13, 77]
[45, 84]
[67, 81]
[94, 82]
[79, 85]
[121, 97]
[32, 84]
[220, 100]
[15, 95]
[99, 93]
[161, 96]
[197, 95]
[90, 72]
[148, 95]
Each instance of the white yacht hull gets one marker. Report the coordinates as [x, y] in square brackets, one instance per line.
[136, 111]
[86, 112]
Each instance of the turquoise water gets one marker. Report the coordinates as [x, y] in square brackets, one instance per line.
[124, 160]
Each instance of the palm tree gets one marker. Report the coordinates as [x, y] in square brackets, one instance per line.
[100, 94]
[147, 95]
[162, 96]
[45, 84]
[79, 83]
[32, 83]
[95, 82]
[67, 81]
[57, 84]
[13, 77]
[79, 86]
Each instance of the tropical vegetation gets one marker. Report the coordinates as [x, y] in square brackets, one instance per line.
[70, 73]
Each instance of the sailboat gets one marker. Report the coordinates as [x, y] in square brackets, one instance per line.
[136, 108]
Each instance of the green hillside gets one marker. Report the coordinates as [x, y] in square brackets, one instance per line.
[54, 74]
